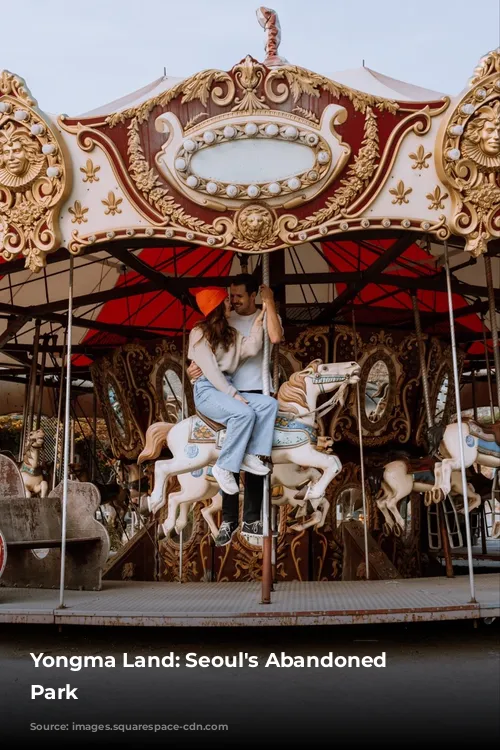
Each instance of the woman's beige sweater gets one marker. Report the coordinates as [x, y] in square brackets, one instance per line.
[215, 365]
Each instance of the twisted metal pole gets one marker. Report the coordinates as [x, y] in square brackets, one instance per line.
[267, 540]
[59, 411]
[459, 421]
[493, 322]
[423, 363]
[492, 415]
[488, 373]
[361, 454]
[67, 436]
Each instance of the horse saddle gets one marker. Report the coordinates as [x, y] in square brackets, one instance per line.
[205, 430]
[215, 426]
[288, 432]
[420, 465]
[489, 433]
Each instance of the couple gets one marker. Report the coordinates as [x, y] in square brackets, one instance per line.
[226, 369]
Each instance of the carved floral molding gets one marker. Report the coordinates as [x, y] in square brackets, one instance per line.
[468, 158]
[33, 177]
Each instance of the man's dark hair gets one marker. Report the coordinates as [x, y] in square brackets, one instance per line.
[250, 283]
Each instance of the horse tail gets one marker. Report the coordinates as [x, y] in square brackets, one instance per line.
[375, 476]
[156, 437]
[435, 436]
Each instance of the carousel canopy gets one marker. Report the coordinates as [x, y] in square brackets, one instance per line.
[164, 190]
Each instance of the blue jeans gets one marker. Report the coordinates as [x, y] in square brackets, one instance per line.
[249, 427]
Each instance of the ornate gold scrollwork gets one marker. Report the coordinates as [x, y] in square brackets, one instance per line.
[110, 378]
[148, 182]
[168, 403]
[279, 85]
[357, 178]
[33, 177]
[468, 158]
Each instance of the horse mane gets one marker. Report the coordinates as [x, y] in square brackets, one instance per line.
[293, 391]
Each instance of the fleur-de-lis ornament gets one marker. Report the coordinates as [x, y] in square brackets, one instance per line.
[112, 204]
[436, 199]
[420, 158]
[78, 212]
[90, 171]
[400, 193]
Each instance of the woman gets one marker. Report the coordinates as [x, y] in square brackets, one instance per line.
[218, 348]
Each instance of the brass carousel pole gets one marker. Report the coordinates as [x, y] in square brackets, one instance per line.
[459, 422]
[493, 322]
[361, 454]
[267, 540]
[33, 378]
[67, 436]
[59, 410]
[492, 414]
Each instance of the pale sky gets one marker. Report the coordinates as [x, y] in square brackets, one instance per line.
[76, 56]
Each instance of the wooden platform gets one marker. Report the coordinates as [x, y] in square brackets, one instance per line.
[230, 604]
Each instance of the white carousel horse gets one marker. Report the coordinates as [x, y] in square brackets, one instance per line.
[131, 478]
[287, 476]
[194, 444]
[481, 446]
[400, 479]
[31, 470]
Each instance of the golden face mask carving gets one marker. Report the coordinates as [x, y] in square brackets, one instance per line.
[481, 142]
[21, 160]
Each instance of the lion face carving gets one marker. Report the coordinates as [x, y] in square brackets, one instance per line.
[255, 224]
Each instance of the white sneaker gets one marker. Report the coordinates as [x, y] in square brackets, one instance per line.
[254, 465]
[225, 480]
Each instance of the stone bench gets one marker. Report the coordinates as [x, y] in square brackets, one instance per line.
[32, 529]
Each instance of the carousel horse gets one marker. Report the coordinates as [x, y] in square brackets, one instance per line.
[481, 445]
[114, 502]
[400, 478]
[381, 393]
[131, 478]
[286, 477]
[194, 442]
[31, 468]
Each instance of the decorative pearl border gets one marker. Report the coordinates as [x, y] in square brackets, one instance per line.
[245, 131]
[439, 228]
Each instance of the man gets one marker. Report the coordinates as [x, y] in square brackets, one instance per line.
[247, 379]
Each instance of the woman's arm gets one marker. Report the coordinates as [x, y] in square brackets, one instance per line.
[201, 353]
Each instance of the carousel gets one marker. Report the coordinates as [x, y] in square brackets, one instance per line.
[371, 208]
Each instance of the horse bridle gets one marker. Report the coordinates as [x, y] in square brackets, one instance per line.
[320, 380]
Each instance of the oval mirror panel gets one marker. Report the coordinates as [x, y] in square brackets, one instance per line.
[441, 400]
[172, 395]
[251, 161]
[376, 391]
[349, 504]
[117, 409]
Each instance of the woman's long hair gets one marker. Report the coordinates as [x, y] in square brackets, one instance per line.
[216, 329]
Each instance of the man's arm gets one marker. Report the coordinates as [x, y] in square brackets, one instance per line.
[274, 329]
